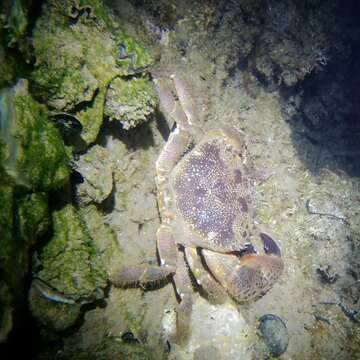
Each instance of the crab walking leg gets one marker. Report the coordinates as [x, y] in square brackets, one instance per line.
[179, 139]
[171, 153]
[213, 290]
[143, 275]
[173, 150]
[185, 99]
[170, 105]
[184, 290]
[166, 247]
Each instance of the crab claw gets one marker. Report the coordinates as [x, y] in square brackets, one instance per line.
[270, 246]
[249, 277]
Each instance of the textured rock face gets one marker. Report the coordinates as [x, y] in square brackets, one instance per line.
[33, 154]
[96, 170]
[11, 261]
[33, 160]
[232, 51]
[77, 50]
[70, 54]
[130, 101]
[219, 332]
[69, 262]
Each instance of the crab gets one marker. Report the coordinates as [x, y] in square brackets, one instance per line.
[205, 198]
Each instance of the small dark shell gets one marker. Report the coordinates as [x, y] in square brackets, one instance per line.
[274, 334]
[67, 124]
[129, 338]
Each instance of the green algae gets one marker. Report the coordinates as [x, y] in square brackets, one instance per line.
[96, 170]
[13, 255]
[8, 64]
[34, 216]
[33, 159]
[76, 46]
[9, 274]
[130, 101]
[141, 58]
[6, 310]
[17, 21]
[53, 315]
[70, 262]
[88, 115]
[77, 57]
[13, 260]
[104, 238]
[33, 152]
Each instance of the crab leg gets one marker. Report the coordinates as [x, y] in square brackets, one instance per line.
[185, 99]
[173, 150]
[213, 290]
[141, 275]
[178, 142]
[144, 275]
[179, 139]
[184, 290]
[166, 247]
[170, 106]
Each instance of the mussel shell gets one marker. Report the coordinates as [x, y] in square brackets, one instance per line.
[67, 124]
[274, 334]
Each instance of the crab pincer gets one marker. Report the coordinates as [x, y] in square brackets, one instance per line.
[252, 275]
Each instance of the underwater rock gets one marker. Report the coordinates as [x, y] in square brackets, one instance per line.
[33, 160]
[130, 101]
[110, 347]
[77, 56]
[296, 41]
[207, 353]
[49, 310]
[220, 328]
[23, 218]
[96, 170]
[103, 236]
[326, 276]
[13, 261]
[33, 216]
[8, 64]
[274, 334]
[69, 262]
[32, 152]
[6, 313]
[16, 15]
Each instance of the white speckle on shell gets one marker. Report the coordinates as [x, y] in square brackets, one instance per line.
[211, 235]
